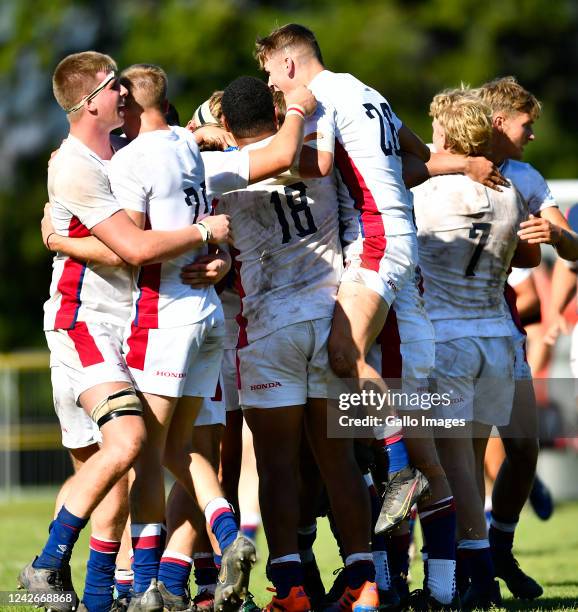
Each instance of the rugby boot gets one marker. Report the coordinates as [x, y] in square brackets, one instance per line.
[296, 601]
[363, 599]
[421, 600]
[401, 492]
[233, 580]
[204, 600]
[149, 601]
[55, 581]
[486, 599]
[520, 584]
[174, 603]
[541, 500]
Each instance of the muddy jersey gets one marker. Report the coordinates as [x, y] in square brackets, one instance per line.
[467, 236]
[161, 174]
[81, 197]
[367, 151]
[289, 259]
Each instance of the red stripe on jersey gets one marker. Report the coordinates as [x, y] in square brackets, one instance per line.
[390, 342]
[88, 352]
[242, 339]
[137, 347]
[510, 296]
[70, 282]
[149, 283]
[371, 219]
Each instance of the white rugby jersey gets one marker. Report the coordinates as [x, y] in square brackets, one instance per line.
[467, 236]
[161, 174]
[367, 151]
[530, 183]
[289, 259]
[81, 197]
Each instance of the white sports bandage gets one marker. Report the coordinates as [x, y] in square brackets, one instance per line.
[296, 109]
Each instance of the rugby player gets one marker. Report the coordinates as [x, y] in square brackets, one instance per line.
[467, 238]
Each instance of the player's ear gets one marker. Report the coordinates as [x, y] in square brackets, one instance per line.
[225, 123]
[289, 67]
[498, 121]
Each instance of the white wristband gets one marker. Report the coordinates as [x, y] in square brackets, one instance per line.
[203, 230]
[295, 109]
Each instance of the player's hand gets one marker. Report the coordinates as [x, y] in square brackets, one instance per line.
[46, 225]
[302, 96]
[482, 170]
[559, 325]
[206, 270]
[539, 231]
[212, 137]
[220, 228]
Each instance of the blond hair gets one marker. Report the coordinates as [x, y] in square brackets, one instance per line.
[147, 84]
[445, 98]
[467, 125]
[289, 35]
[75, 77]
[506, 95]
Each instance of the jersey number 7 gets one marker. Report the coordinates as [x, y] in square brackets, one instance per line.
[481, 231]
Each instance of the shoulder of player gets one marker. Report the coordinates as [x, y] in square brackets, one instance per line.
[68, 170]
[523, 169]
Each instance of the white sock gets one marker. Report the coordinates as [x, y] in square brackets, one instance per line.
[441, 579]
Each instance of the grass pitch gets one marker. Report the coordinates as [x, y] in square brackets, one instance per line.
[547, 551]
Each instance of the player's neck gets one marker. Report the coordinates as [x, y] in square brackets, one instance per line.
[243, 142]
[152, 120]
[310, 70]
[94, 136]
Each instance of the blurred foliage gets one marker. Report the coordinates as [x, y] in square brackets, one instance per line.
[408, 49]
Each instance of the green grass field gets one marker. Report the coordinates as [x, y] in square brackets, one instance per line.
[548, 551]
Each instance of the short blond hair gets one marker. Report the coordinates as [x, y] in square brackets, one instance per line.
[467, 125]
[147, 84]
[289, 35]
[506, 95]
[75, 76]
[445, 98]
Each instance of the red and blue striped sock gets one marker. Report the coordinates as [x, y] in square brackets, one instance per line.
[99, 584]
[146, 546]
[396, 453]
[174, 572]
[123, 581]
[222, 521]
[206, 570]
[64, 533]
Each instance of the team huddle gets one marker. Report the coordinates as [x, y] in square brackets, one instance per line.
[296, 237]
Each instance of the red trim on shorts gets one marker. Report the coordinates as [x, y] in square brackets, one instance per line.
[137, 347]
[218, 393]
[510, 296]
[372, 228]
[70, 282]
[88, 353]
[390, 342]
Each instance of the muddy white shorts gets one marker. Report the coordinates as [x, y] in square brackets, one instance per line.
[177, 361]
[286, 367]
[383, 264]
[78, 429]
[475, 377]
[90, 354]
